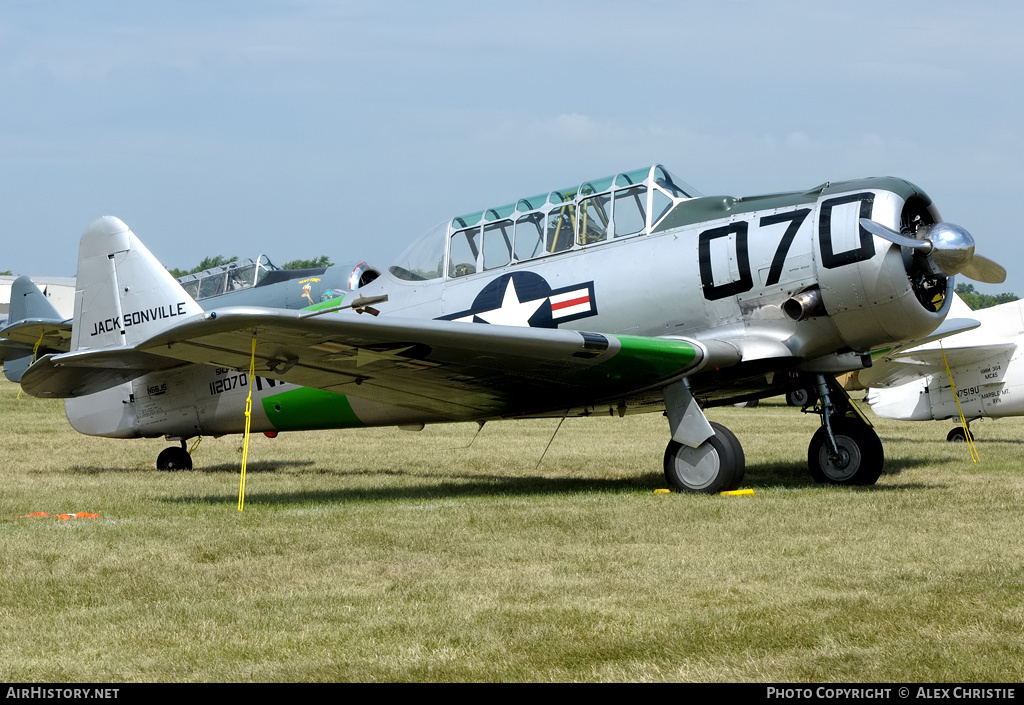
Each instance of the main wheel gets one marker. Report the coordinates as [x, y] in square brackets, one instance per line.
[716, 465]
[174, 458]
[957, 435]
[860, 458]
[747, 404]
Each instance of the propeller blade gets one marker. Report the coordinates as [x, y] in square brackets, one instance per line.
[892, 236]
[982, 269]
[951, 249]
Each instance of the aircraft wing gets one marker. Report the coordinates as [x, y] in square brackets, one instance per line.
[453, 369]
[905, 366]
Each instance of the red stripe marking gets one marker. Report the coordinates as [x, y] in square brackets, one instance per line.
[571, 302]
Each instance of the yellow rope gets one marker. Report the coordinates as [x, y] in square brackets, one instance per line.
[248, 417]
[967, 431]
[199, 439]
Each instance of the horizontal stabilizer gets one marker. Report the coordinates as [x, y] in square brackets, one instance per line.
[49, 334]
[79, 374]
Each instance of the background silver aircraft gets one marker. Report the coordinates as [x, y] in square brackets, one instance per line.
[35, 327]
[627, 294]
[259, 283]
[979, 374]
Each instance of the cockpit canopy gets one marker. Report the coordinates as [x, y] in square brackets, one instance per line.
[226, 278]
[596, 212]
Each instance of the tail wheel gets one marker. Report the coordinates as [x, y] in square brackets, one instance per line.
[957, 435]
[800, 397]
[173, 458]
[860, 457]
[716, 465]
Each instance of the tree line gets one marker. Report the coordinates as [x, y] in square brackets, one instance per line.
[220, 260]
[975, 299]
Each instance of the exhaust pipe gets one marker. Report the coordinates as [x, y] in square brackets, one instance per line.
[804, 305]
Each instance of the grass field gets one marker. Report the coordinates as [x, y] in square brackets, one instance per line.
[384, 555]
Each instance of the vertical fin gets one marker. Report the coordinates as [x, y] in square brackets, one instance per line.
[123, 294]
[28, 302]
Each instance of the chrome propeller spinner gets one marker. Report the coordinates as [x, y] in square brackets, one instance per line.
[950, 247]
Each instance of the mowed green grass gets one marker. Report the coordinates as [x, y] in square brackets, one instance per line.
[384, 555]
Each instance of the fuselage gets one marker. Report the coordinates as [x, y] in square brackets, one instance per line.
[791, 280]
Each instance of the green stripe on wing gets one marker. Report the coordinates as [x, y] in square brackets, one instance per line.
[652, 358]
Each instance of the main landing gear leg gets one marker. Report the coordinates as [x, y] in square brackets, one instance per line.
[845, 450]
[174, 458]
[701, 457]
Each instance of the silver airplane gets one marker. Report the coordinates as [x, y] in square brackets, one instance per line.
[628, 294]
[34, 328]
[259, 283]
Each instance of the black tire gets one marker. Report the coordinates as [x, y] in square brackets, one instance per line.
[716, 465]
[957, 435]
[799, 397]
[174, 458]
[863, 456]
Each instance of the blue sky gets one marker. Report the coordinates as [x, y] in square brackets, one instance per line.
[296, 129]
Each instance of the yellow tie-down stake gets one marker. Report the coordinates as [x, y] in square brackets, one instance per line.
[732, 493]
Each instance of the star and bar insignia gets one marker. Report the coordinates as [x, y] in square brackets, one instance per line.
[526, 299]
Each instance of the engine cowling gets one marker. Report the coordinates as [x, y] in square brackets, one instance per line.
[874, 291]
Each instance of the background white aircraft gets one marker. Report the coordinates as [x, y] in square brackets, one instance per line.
[982, 369]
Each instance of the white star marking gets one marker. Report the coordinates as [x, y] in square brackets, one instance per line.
[513, 312]
[365, 356]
